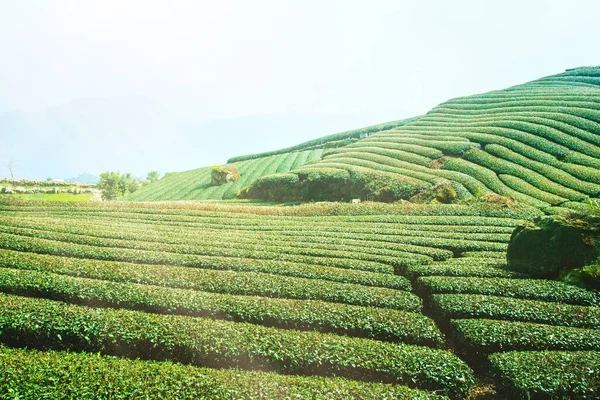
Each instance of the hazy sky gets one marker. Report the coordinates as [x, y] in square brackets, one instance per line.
[201, 60]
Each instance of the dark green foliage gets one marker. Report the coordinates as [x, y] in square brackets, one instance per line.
[206, 342]
[547, 374]
[277, 187]
[329, 184]
[551, 245]
[56, 375]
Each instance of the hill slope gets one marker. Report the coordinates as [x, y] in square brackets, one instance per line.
[538, 143]
[196, 184]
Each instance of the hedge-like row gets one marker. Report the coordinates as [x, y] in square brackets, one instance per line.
[387, 152]
[385, 324]
[311, 244]
[477, 337]
[453, 214]
[501, 166]
[327, 258]
[227, 282]
[379, 237]
[449, 306]
[323, 141]
[522, 186]
[55, 375]
[562, 172]
[491, 180]
[51, 247]
[419, 249]
[471, 268]
[547, 374]
[533, 289]
[215, 343]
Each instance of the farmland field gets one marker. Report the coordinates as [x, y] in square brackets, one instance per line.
[236, 301]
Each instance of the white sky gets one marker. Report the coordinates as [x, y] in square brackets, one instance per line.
[380, 60]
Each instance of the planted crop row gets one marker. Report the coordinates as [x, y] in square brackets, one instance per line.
[490, 180]
[528, 150]
[457, 214]
[166, 249]
[453, 306]
[383, 324]
[228, 282]
[43, 246]
[532, 289]
[379, 246]
[501, 166]
[211, 343]
[479, 269]
[248, 240]
[326, 139]
[547, 374]
[480, 337]
[55, 375]
[550, 133]
[334, 240]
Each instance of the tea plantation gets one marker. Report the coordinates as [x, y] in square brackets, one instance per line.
[245, 299]
[122, 300]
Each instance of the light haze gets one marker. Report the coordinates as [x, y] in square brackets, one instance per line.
[90, 86]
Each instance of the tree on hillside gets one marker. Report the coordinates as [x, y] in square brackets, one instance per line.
[152, 176]
[114, 185]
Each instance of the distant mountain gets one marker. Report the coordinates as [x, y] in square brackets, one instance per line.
[84, 178]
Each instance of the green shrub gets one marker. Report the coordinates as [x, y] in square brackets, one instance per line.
[330, 184]
[547, 374]
[56, 375]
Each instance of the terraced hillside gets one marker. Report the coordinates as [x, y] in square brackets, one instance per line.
[315, 301]
[538, 143]
[196, 184]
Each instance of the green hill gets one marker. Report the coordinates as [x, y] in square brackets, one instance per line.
[196, 184]
[538, 143]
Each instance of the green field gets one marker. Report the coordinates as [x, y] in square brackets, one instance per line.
[327, 300]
